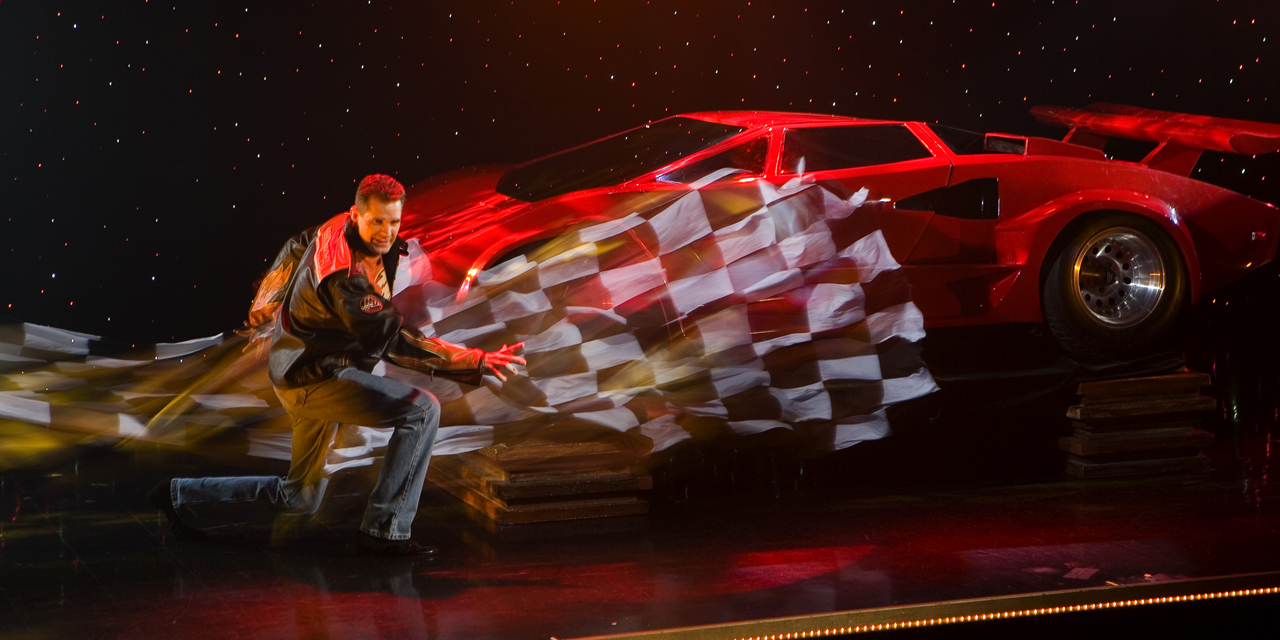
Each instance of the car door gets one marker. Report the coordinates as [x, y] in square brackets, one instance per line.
[956, 274]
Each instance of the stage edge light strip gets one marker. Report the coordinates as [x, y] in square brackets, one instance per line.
[973, 610]
[814, 633]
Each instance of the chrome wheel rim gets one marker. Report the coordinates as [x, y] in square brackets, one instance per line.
[1119, 277]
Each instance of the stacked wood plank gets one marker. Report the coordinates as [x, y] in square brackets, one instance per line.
[544, 482]
[1139, 425]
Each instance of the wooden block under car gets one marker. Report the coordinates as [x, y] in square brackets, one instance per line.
[1084, 468]
[1186, 383]
[509, 461]
[536, 486]
[1122, 429]
[1138, 425]
[1130, 408]
[1136, 441]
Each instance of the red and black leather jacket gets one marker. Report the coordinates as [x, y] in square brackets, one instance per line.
[332, 316]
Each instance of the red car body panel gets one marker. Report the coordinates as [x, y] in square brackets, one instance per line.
[962, 271]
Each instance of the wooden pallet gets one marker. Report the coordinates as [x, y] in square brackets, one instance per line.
[544, 482]
[1139, 425]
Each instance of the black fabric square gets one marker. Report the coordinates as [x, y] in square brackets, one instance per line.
[557, 362]
[899, 357]
[697, 258]
[793, 366]
[854, 397]
[887, 289]
[727, 204]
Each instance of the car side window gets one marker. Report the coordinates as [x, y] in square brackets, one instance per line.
[827, 148]
[525, 250]
[748, 158]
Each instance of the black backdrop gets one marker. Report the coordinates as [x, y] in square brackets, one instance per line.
[154, 153]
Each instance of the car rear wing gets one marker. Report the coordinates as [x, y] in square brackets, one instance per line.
[1181, 137]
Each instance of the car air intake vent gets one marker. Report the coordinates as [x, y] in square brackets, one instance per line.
[1005, 144]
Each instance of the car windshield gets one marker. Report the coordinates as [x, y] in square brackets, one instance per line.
[614, 160]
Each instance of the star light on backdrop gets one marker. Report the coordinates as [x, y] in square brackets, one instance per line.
[155, 153]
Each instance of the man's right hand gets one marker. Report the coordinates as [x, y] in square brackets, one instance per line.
[504, 359]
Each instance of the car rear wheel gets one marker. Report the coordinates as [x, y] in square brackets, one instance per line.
[1114, 287]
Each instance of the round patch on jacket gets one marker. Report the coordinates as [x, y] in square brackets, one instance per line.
[370, 304]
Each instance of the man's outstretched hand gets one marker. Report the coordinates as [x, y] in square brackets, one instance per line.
[504, 359]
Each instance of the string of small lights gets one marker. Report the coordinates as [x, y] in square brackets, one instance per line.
[1000, 615]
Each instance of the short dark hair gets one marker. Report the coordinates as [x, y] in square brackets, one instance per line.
[380, 186]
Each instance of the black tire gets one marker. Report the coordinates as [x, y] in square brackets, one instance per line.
[1115, 286]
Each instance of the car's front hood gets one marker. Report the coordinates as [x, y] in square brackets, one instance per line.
[452, 204]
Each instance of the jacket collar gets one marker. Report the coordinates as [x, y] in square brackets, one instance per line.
[335, 241]
[332, 252]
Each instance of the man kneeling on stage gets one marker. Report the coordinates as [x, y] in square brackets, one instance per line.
[332, 288]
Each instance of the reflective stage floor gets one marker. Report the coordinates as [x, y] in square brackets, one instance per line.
[965, 505]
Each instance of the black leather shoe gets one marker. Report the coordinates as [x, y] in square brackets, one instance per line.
[382, 548]
[161, 499]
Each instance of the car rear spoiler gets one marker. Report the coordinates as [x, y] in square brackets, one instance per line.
[1181, 136]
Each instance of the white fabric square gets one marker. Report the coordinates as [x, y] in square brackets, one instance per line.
[561, 389]
[59, 340]
[24, 410]
[682, 222]
[452, 305]
[625, 283]
[872, 256]
[766, 346]
[804, 403]
[811, 247]
[835, 208]
[611, 351]
[188, 347]
[461, 439]
[735, 380]
[916, 385]
[664, 432]
[670, 371]
[610, 228]
[690, 293]
[461, 336]
[710, 408]
[794, 215]
[835, 306]
[577, 262]
[855, 368]
[725, 329]
[505, 272]
[752, 427]
[129, 426]
[775, 283]
[489, 408]
[512, 305]
[230, 401]
[746, 236]
[559, 335]
[855, 429]
[444, 390]
[902, 320]
[413, 269]
[619, 419]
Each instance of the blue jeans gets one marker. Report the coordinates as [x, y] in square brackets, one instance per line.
[350, 397]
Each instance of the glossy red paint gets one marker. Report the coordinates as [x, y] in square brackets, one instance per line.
[963, 271]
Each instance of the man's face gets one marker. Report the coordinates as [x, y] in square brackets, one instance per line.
[379, 223]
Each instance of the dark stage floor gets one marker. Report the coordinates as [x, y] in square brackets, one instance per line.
[967, 501]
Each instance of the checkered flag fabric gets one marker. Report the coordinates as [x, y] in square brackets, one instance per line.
[738, 307]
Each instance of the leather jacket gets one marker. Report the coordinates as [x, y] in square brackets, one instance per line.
[332, 316]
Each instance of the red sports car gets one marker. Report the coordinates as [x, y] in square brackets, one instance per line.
[987, 228]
